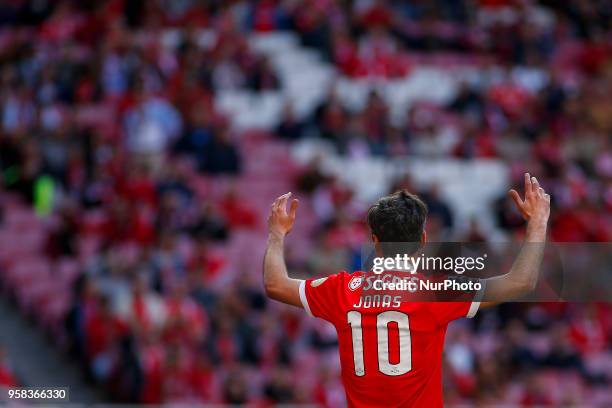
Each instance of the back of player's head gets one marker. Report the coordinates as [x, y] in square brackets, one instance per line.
[398, 217]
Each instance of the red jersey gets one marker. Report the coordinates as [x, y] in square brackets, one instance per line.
[390, 349]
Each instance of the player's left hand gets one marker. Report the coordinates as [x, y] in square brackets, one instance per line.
[536, 205]
[280, 221]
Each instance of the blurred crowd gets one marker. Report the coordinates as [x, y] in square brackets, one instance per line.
[115, 137]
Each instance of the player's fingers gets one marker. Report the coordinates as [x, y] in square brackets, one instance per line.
[277, 200]
[535, 185]
[528, 186]
[276, 203]
[516, 197]
[519, 203]
[293, 208]
[541, 192]
[282, 204]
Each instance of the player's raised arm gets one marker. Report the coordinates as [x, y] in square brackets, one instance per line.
[523, 275]
[278, 285]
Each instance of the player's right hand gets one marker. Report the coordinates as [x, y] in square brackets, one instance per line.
[280, 221]
[536, 206]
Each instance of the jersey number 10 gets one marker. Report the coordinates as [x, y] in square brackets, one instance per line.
[383, 319]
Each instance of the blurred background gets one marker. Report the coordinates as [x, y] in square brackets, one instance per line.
[142, 142]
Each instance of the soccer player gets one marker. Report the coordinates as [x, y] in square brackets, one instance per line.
[391, 355]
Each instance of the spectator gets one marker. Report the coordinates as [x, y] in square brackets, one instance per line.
[220, 155]
[104, 332]
[290, 128]
[262, 77]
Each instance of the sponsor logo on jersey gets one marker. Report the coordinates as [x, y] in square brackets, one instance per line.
[355, 282]
[317, 282]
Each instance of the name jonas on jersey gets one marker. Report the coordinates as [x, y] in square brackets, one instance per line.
[370, 301]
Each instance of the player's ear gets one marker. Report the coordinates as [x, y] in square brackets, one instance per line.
[377, 248]
[424, 236]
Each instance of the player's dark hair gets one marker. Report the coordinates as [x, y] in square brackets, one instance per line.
[398, 217]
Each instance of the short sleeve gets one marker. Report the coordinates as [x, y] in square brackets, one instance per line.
[320, 297]
[445, 312]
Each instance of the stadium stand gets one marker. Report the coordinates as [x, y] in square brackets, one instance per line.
[142, 143]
